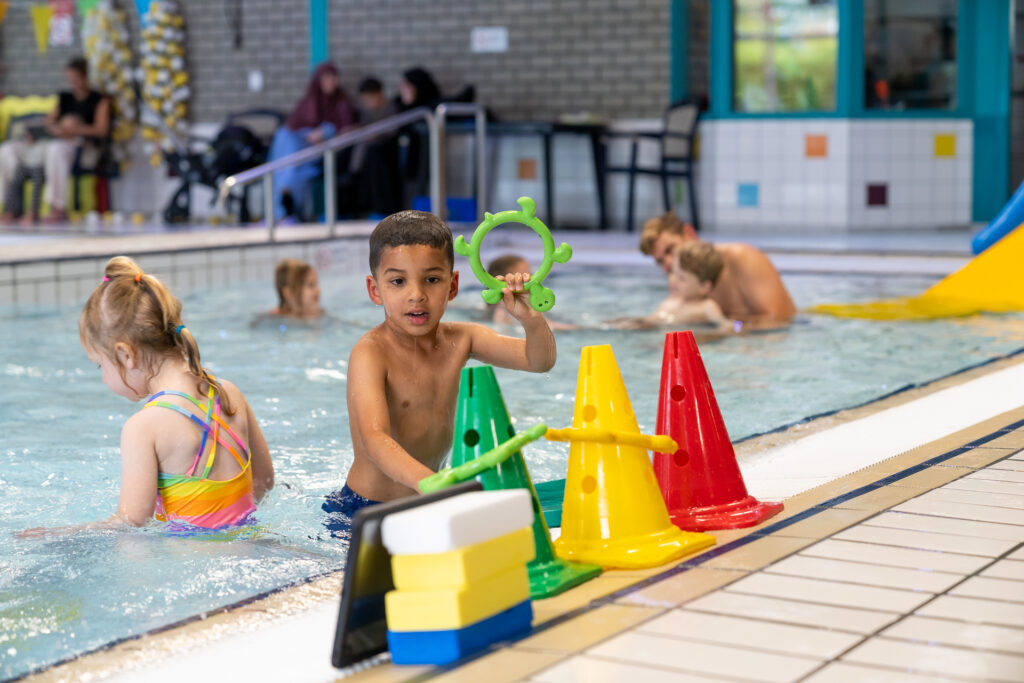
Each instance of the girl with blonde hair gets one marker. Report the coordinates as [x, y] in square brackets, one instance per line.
[209, 474]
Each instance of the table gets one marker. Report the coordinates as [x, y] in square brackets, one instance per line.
[547, 130]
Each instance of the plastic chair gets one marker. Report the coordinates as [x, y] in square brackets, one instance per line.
[676, 138]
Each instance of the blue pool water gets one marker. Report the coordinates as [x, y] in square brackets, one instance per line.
[59, 460]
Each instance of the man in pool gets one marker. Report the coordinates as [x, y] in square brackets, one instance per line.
[749, 288]
[403, 376]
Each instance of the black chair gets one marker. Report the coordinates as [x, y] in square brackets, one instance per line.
[103, 165]
[676, 138]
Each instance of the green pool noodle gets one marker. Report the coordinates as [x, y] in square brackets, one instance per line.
[482, 422]
[489, 460]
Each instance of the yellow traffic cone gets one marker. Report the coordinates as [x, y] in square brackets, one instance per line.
[613, 513]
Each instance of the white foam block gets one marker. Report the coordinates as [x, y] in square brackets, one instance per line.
[457, 522]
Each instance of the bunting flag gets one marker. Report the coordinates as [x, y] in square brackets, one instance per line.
[86, 6]
[3, 10]
[41, 15]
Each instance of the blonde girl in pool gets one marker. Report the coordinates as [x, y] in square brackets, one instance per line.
[298, 290]
[209, 474]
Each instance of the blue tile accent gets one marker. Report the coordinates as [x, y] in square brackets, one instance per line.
[318, 48]
[747, 194]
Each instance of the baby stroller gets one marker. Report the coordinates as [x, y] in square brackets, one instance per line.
[235, 148]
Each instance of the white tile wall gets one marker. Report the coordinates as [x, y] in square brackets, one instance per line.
[830, 193]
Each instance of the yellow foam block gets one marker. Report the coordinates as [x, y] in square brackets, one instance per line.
[441, 610]
[989, 283]
[460, 569]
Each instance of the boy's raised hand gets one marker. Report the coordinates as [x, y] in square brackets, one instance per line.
[514, 295]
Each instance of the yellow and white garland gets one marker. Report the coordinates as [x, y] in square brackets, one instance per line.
[163, 78]
[107, 47]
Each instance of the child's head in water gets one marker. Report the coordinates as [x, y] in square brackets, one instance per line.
[298, 289]
[697, 267]
[412, 271]
[131, 326]
[500, 267]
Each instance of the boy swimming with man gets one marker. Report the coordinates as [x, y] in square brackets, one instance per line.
[403, 378]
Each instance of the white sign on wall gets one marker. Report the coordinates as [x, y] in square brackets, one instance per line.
[488, 39]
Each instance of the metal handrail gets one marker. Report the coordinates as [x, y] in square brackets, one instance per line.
[480, 128]
[325, 150]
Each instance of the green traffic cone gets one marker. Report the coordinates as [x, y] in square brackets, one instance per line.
[481, 423]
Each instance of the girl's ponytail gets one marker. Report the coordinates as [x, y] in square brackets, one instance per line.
[131, 306]
[190, 350]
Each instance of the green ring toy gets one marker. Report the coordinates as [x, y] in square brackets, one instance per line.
[541, 298]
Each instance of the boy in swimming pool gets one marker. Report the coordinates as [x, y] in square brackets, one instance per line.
[403, 376]
[514, 263]
[695, 270]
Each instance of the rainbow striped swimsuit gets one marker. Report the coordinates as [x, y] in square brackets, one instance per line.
[198, 500]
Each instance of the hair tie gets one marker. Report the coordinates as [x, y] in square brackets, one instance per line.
[138, 277]
[106, 278]
[179, 328]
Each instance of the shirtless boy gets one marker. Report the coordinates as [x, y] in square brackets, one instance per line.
[749, 288]
[403, 376]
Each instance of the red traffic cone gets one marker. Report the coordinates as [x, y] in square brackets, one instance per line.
[701, 482]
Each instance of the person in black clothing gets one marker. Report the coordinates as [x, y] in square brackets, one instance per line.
[373, 184]
[416, 89]
[81, 118]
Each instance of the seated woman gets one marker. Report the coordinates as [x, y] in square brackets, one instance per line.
[298, 291]
[323, 112]
[80, 123]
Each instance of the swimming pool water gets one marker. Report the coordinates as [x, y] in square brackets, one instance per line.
[59, 461]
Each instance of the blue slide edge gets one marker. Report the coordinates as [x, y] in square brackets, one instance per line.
[1009, 218]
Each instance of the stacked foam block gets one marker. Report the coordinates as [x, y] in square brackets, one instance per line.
[459, 567]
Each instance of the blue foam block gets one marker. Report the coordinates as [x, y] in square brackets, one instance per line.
[444, 647]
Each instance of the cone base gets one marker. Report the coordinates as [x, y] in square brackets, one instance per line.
[637, 552]
[739, 514]
[548, 579]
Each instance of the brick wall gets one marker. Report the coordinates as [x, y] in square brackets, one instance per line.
[23, 71]
[602, 56]
[275, 41]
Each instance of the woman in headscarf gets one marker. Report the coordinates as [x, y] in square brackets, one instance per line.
[323, 112]
[416, 89]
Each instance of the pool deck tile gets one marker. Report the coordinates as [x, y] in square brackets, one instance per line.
[503, 666]
[753, 555]
[824, 523]
[588, 629]
[681, 588]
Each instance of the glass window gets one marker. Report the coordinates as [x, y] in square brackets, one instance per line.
[910, 54]
[784, 55]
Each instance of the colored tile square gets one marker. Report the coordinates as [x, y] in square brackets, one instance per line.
[878, 194]
[815, 146]
[945, 144]
[746, 194]
[526, 169]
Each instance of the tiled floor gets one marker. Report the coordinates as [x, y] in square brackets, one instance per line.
[931, 589]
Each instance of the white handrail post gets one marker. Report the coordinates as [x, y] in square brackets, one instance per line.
[268, 204]
[330, 190]
[481, 168]
[435, 125]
